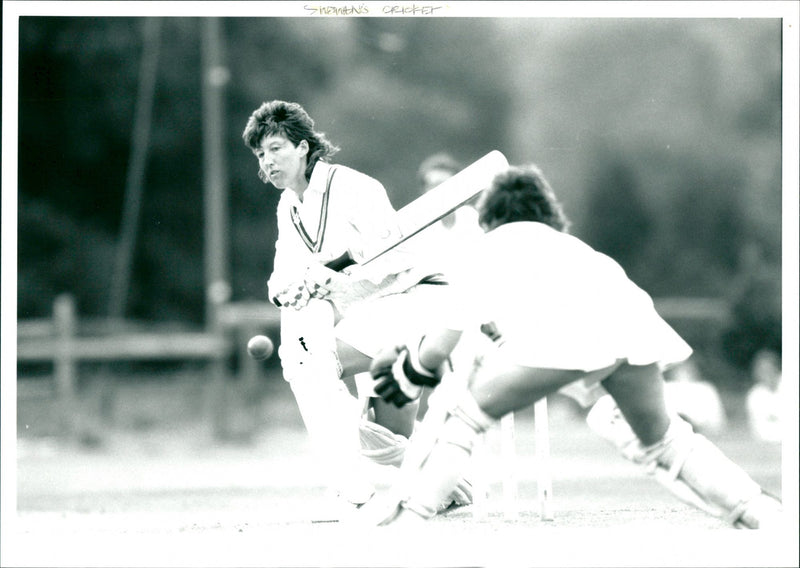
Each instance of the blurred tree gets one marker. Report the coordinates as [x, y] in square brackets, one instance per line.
[91, 66]
[618, 222]
[701, 232]
[76, 87]
[694, 106]
[56, 252]
[755, 296]
[413, 87]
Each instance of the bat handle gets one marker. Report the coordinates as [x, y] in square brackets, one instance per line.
[338, 264]
[341, 262]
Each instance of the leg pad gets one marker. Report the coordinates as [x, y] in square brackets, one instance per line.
[689, 466]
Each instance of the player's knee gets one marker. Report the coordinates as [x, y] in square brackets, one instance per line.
[400, 421]
[466, 420]
[380, 444]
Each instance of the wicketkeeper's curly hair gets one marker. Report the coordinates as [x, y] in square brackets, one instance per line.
[291, 120]
[521, 193]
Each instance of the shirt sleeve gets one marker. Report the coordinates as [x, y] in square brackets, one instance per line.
[374, 221]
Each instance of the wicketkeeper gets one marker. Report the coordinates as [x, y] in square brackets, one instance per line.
[561, 314]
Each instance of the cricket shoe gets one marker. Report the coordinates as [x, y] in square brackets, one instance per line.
[375, 512]
[387, 509]
[404, 518]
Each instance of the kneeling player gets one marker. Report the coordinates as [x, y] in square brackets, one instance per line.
[573, 316]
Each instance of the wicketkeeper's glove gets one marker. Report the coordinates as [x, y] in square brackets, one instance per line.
[401, 376]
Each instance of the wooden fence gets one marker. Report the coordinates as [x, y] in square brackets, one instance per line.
[65, 341]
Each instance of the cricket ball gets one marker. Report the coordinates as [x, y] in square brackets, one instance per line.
[260, 347]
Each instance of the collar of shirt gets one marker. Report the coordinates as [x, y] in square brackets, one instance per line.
[316, 185]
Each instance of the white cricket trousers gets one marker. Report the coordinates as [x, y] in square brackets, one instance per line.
[330, 413]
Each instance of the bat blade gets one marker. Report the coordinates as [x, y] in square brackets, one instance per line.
[438, 202]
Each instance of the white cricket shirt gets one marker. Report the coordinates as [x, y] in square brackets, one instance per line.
[559, 303]
[356, 217]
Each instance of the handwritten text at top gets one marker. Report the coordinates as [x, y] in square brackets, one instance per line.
[364, 9]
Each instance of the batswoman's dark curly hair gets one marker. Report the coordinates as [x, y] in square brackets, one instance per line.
[291, 120]
[521, 193]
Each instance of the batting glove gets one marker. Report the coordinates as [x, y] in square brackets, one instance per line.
[295, 296]
[319, 280]
[401, 376]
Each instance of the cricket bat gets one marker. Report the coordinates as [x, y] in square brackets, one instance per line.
[437, 203]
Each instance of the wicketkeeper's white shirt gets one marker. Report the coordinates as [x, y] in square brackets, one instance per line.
[558, 303]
